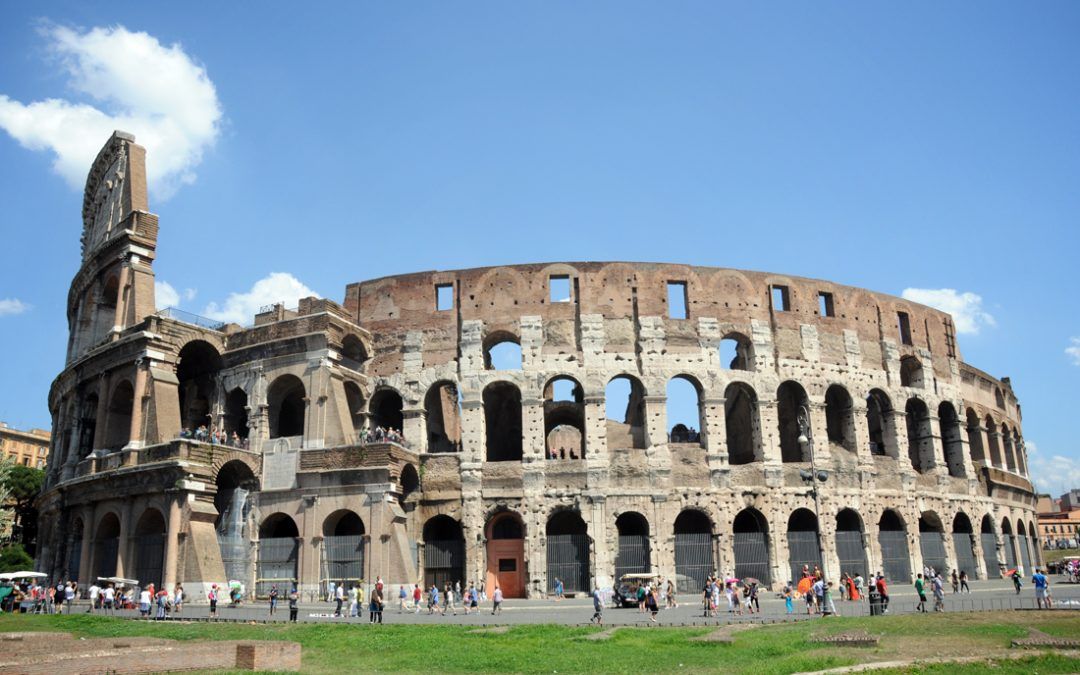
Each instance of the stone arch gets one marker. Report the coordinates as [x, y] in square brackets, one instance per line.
[442, 405]
[975, 437]
[804, 543]
[951, 439]
[197, 366]
[743, 424]
[568, 555]
[633, 554]
[988, 540]
[385, 409]
[920, 438]
[879, 421]
[736, 352]
[993, 443]
[1020, 450]
[932, 542]
[278, 558]
[1023, 543]
[236, 413]
[963, 536]
[408, 483]
[505, 534]
[1008, 540]
[564, 418]
[694, 551]
[502, 421]
[688, 429]
[892, 538]
[1007, 445]
[73, 561]
[343, 547]
[353, 352]
[502, 351]
[791, 399]
[118, 415]
[911, 372]
[840, 417]
[150, 548]
[850, 544]
[750, 544]
[106, 544]
[354, 400]
[287, 399]
[444, 551]
[626, 428]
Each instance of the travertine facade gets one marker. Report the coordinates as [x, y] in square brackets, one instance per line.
[556, 464]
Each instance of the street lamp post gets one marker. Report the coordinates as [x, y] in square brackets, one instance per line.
[811, 478]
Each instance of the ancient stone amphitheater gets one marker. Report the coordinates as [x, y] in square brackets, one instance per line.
[527, 428]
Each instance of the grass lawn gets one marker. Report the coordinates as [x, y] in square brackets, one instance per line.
[545, 648]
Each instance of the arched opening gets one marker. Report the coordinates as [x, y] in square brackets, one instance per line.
[999, 398]
[502, 421]
[975, 437]
[932, 542]
[878, 419]
[502, 351]
[106, 545]
[804, 545]
[444, 552]
[1025, 550]
[353, 353]
[354, 400]
[197, 365]
[87, 425]
[911, 372]
[105, 318]
[839, 418]
[992, 443]
[1008, 540]
[409, 483]
[150, 548]
[736, 352]
[633, 555]
[791, 399]
[1033, 539]
[892, 537]
[920, 438]
[684, 412]
[567, 552]
[1006, 441]
[342, 550]
[950, 439]
[625, 411]
[750, 541]
[279, 555]
[233, 501]
[288, 404]
[74, 550]
[988, 540]
[564, 419]
[118, 426]
[236, 413]
[850, 547]
[964, 544]
[386, 413]
[442, 405]
[694, 556]
[506, 554]
[1018, 448]
[743, 425]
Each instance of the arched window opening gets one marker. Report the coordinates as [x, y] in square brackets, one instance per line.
[911, 372]
[288, 405]
[993, 442]
[233, 500]
[850, 547]
[74, 550]
[750, 541]
[839, 417]
[988, 540]
[507, 527]
[625, 412]
[106, 545]
[1022, 543]
[150, 548]
[354, 400]
[791, 400]
[684, 413]
[502, 421]
[564, 419]
[736, 352]
[353, 353]
[567, 552]
[950, 438]
[118, 425]
[87, 425]
[892, 537]
[410, 484]
[197, 366]
[694, 561]
[932, 542]
[502, 351]
[506, 554]
[999, 398]
[920, 439]
[634, 554]
[878, 419]
[105, 318]
[342, 560]
[386, 408]
[743, 424]
[964, 544]
[1008, 540]
[975, 437]
[1006, 441]
[444, 552]
[236, 414]
[804, 547]
[1019, 449]
[278, 556]
[443, 407]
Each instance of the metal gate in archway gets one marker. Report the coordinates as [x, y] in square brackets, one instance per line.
[964, 545]
[895, 561]
[342, 560]
[1010, 551]
[751, 557]
[803, 550]
[989, 549]
[444, 562]
[693, 561]
[851, 552]
[633, 555]
[106, 557]
[932, 547]
[1025, 554]
[74, 559]
[568, 560]
[276, 564]
[150, 558]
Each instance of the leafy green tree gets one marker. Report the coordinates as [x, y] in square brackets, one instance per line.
[14, 558]
[23, 485]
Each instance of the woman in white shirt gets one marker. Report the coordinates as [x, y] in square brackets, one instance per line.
[144, 603]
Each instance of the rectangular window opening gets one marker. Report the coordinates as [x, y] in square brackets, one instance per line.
[904, 323]
[825, 304]
[559, 288]
[444, 297]
[781, 301]
[676, 297]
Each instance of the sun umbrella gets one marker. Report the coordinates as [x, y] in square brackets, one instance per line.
[1011, 572]
[805, 585]
[28, 575]
[731, 580]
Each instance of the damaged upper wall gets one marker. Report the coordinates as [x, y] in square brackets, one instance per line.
[632, 299]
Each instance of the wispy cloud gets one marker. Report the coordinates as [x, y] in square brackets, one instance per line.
[275, 287]
[966, 308]
[132, 83]
[1073, 350]
[1052, 473]
[167, 296]
[12, 306]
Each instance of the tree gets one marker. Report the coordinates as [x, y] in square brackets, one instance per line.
[23, 485]
[14, 558]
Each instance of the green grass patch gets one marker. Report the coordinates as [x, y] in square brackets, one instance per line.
[783, 648]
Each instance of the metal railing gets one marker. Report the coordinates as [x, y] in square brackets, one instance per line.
[193, 319]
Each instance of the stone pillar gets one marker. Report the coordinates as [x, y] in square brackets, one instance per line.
[102, 411]
[819, 432]
[126, 541]
[965, 454]
[770, 444]
[310, 540]
[597, 454]
[714, 427]
[85, 562]
[415, 428]
[993, 439]
[123, 300]
[138, 406]
[598, 534]
[661, 532]
[473, 437]
[658, 452]
[172, 540]
[937, 446]
[895, 435]
[873, 550]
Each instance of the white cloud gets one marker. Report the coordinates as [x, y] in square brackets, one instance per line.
[12, 306]
[137, 85]
[1073, 350]
[167, 296]
[966, 308]
[242, 307]
[1053, 474]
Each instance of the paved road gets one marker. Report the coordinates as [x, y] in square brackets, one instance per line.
[986, 595]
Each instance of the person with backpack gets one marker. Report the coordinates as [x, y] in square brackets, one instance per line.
[293, 605]
[919, 589]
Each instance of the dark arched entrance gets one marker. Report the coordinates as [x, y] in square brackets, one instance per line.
[964, 544]
[106, 545]
[506, 555]
[150, 548]
[235, 484]
[804, 546]
[989, 548]
[751, 544]
[342, 549]
[850, 549]
[1009, 541]
[932, 542]
[278, 559]
[895, 558]
[444, 551]
[568, 552]
[694, 560]
[633, 554]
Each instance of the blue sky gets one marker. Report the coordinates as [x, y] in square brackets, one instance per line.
[885, 145]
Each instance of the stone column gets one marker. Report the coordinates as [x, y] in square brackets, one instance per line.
[598, 534]
[658, 452]
[102, 411]
[965, 454]
[819, 432]
[993, 439]
[895, 435]
[597, 454]
[937, 446]
[138, 406]
[770, 443]
[714, 426]
[172, 540]
[415, 428]
[85, 562]
[126, 541]
[310, 540]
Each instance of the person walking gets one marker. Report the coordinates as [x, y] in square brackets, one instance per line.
[964, 582]
[1042, 587]
[294, 608]
[497, 600]
[598, 606]
[955, 582]
[559, 590]
[403, 599]
[94, 594]
[827, 606]
[883, 591]
[69, 596]
[938, 587]
[671, 602]
[178, 599]
[212, 596]
[651, 603]
[110, 596]
[789, 605]
[919, 588]
[354, 602]
[433, 599]
[417, 596]
[273, 599]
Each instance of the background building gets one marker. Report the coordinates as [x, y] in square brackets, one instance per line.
[29, 448]
[1059, 520]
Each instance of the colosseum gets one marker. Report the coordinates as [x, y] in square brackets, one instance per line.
[510, 425]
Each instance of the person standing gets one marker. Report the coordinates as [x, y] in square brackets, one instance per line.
[95, 592]
[402, 599]
[417, 596]
[1017, 581]
[1042, 586]
[964, 582]
[69, 595]
[178, 598]
[938, 587]
[883, 591]
[339, 598]
[919, 588]
[273, 599]
[598, 606]
[827, 605]
[474, 598]
[789, 605]
[433, 599]
[354, 602]
[559, 589]
[671, 602]
[293, 605]
[497, 599]
[110, 596]
[212, 596]
[651, 603]
[144, 603]
[955, 582]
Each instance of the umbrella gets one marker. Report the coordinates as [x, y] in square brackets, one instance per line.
[731, 580]
[121, 581]
[805, 584]
[1011, 572]
[24, 575]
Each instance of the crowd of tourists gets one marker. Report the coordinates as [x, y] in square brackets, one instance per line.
[563, 453]
[214, 436]
[379, 434]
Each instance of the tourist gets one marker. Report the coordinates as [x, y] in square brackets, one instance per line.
[641, 598]
[354, 602]
[339, 598]
[433, 599]
[827, 606]
[293, 608]
[937, 585]
[497, 600]
[964, 582]
[273, 598]
[162, 604]
[559, 590]
[754, 598]
[109, 595]
[212, 596]
[883, 591]
[818, 589]
[650, 602]
[810, 598]
[955, 582]
[858, 585]
[178, 599]
[144, 603]
[69, 595]
[417, 595]
[852, 590]
[1042, 585]
[598, 606]
[789, 606]
[1017, 581]
[403, 599]
[95, 592]
[921, 607]
[671, 603]
[474, 598]
[448, 603]
[483, 590]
